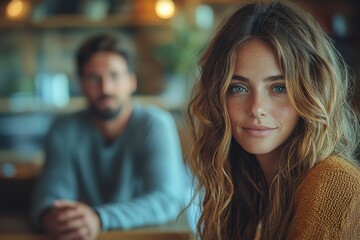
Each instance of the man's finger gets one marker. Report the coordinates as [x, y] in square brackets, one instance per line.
[59, 217]
[64, 203]
[67, 214]
[70, 225]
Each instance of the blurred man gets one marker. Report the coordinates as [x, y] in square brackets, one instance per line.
[115, 165]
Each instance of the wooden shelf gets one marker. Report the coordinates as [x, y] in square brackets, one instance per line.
[21, 166]
[22, 171]
[78, 103]
[78, 21]
[221, 1]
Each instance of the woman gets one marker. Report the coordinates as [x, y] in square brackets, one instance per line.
[274, 133]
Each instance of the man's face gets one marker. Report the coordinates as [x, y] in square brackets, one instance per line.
[107, 84]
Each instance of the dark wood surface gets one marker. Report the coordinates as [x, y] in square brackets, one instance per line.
[16, 227]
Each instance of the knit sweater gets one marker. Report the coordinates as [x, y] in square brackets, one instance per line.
[327, 203]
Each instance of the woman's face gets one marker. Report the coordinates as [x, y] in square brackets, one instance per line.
[262, 117]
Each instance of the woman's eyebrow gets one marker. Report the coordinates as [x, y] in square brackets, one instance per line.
[271, 78]
[240, 78]
[274, 78]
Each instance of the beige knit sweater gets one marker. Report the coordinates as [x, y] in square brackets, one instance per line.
[328, 203]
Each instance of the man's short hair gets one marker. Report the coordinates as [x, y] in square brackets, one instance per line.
[105, 42]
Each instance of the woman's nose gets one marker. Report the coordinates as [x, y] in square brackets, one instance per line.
[257, 105]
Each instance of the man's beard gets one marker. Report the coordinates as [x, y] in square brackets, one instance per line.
[104, 114]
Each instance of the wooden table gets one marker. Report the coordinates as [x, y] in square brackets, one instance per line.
[114, 235]
[16, 227]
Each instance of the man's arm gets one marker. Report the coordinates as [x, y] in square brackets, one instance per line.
[57, 179]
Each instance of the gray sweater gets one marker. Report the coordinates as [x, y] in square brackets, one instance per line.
[136, 180]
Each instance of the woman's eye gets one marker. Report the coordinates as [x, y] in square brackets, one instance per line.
[279, 89]
[237, 89]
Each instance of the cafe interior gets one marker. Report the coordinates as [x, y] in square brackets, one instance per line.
[38, 81]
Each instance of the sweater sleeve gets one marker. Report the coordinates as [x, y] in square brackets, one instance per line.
[160, 166]
[328, 204]
[57, 179]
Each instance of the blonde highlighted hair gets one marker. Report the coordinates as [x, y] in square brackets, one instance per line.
[235, 194]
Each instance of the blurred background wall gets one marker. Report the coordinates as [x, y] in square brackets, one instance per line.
[38, 39]
[37, 74]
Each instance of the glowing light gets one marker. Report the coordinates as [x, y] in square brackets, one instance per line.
[16, 9]
[165, 8]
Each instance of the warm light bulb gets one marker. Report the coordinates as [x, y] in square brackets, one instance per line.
[16, 9]
[165, 8]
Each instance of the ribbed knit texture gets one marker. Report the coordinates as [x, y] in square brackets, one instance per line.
[328, 203]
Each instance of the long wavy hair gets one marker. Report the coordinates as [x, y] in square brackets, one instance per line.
[234, 193]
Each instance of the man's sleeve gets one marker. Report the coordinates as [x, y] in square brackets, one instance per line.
[163, 172]
[57, 179]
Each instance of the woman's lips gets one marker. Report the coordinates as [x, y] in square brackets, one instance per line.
[258, 131]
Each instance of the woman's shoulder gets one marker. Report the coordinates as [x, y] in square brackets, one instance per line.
[331, 188]
[333, 174]
[334, 171]
[328, 201]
